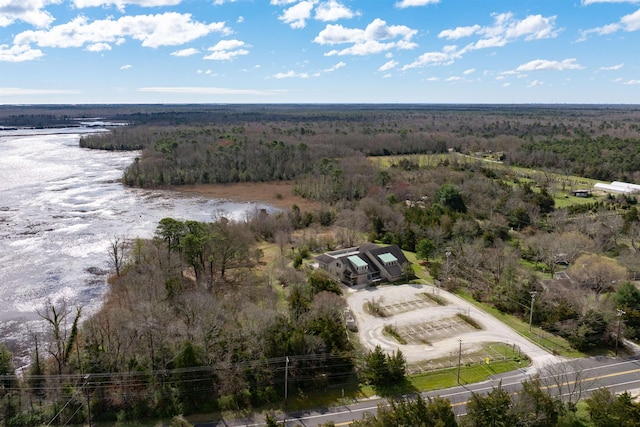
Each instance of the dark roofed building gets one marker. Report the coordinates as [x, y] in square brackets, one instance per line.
[366, 264]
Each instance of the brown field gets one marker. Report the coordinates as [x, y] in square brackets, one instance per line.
[277, 194]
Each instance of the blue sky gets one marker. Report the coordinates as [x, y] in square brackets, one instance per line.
[319, 51]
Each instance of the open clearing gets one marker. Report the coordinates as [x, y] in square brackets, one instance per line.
[431, 331]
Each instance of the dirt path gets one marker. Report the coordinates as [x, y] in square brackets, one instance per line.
[445, 334]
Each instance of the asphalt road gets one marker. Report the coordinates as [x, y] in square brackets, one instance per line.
[573, 380]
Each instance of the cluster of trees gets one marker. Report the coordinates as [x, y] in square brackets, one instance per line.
[249, 153]
[188, 326]
[382, 369]
[604, 157]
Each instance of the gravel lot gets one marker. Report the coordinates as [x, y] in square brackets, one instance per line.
[432, 331]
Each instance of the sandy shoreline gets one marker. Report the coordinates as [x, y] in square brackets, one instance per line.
[277, 194]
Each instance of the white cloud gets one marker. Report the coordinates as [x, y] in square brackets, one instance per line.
[446, 57]
[505, 29]
[411, 3]
[373, 39]
[332, 10]
[226, 50]
[545, 64]
[469, 71]
[390, 65]
[296, 16]
[227, 45]
[19, 53]
[600, 31]
[98, 47]
[535, 83]
[206, 90]
[17, 91]
[432, 79]
[459, 32]
[282, 2]
[335, 67]
[167, 29]
[629, 23]
[240, 20]
[632, 82]
[506, 84]
[291, 74]
[185, 52]
[29, 11]
[453, 79]
[221, 2]
[120, 4]
[126, 67]
[612, 68]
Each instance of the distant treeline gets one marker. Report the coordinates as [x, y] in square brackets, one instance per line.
[193, 144]
[190, 144]
[604, 157]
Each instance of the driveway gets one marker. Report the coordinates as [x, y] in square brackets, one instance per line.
[406, 310]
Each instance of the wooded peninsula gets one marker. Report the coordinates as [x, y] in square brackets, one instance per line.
[495, 203]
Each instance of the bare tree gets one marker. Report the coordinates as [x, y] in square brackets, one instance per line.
[61, 338]
[567, 381]
[598, 273]
[117, 247]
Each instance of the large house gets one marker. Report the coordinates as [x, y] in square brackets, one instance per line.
[365, 264]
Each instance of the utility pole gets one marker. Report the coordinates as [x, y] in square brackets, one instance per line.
[533, 299]
[447, 255]
[86, 386]
[619, 314]
[459, 359]
[286, 377]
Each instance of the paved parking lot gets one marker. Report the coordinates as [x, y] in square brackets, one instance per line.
[430, 330]
[433, 331]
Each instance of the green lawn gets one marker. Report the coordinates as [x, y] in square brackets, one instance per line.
[445, 378]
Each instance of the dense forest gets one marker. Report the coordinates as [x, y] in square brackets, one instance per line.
[239, 144]
[213, 316]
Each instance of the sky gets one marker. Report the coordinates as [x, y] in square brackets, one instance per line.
[320, 51]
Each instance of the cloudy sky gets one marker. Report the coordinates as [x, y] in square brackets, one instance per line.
[319, 51]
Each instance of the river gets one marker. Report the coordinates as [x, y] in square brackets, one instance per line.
[60, 206]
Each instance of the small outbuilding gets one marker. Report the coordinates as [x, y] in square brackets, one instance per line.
[581, 193]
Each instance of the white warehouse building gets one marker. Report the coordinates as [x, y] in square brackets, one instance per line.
[618, 187]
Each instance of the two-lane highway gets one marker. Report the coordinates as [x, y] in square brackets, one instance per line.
[573, 380]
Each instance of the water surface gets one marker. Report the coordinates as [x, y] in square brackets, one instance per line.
[60, 205]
